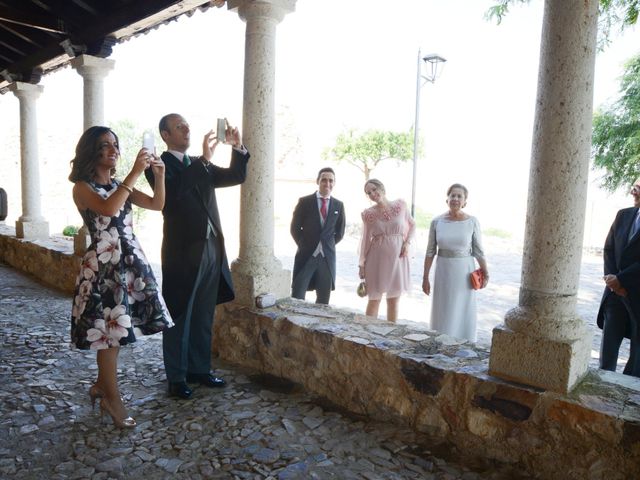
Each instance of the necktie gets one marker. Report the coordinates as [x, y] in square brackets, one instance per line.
[635, 227]
[323, 209]
[186, 160]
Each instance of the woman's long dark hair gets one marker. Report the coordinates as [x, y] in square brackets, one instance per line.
[83, 166]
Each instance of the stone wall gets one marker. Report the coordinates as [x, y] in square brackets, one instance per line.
[51, 261]
[439, 385]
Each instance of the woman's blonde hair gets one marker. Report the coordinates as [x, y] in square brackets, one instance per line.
[379, 185]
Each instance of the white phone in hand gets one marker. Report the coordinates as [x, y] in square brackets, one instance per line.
[221, 130]
[148, 141]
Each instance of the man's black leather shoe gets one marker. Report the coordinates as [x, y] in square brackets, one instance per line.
[206, 379]
[180, 389]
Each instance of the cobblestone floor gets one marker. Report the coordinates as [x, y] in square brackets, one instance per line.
[256, 428]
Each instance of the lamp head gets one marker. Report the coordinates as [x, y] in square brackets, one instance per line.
[432, 61]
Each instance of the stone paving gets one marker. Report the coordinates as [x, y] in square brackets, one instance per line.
[256, 428]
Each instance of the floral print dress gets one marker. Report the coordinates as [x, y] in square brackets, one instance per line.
[116, 294]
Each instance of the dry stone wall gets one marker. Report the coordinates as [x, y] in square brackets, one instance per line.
[51, 261]
[440, 386]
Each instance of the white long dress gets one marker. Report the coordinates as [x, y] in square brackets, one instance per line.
[456, 243]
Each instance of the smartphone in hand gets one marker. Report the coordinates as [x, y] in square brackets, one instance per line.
[221, 130]
[148, 142]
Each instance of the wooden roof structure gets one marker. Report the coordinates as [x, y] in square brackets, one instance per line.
[40, 36]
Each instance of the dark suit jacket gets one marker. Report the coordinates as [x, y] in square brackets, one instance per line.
[307, 230]
[622, 258]
[190, 204]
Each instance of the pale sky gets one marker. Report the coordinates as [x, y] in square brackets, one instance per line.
[352, 65]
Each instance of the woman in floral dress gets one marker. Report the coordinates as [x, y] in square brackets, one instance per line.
[384, 250]
[116, 295]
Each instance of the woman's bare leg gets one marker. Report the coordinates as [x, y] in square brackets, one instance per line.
[392, 308]
[372, 308]
[108, 380]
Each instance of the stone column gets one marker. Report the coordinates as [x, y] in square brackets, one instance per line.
[93, 71]
[543, 342]
[257, 270]
[31, 224]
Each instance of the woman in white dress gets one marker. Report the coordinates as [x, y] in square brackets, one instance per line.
[455, 237]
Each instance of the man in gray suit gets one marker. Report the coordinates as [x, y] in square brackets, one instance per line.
[317, 225]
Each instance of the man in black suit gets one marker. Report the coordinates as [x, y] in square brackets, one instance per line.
[619, 313]
[317, 225]
[195, 272]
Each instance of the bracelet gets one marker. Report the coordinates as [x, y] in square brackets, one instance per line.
[126, 187]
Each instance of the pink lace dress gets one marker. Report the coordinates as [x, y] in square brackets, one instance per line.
[383, 232]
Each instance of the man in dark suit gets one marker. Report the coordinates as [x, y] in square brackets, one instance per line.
[195, 272]
[317, 225]
[619, 313]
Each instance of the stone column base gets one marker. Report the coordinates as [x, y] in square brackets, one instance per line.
[32, 230]
[249, 286]
[555, 365]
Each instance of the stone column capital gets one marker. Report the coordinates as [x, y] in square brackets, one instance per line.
[267, 9]
[92, 67]
[24, 90]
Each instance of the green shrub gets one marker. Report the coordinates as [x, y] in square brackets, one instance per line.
[70, 230]
[423, 219]
[496, 232]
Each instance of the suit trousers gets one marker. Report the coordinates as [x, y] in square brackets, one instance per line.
[186, 347]
[316, 269]
[619, 319]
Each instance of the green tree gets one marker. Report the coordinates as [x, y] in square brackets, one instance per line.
[621, 13]
[130, 137]
[365, 151]
[616, 132]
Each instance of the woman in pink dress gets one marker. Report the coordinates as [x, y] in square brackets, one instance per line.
[384, 249]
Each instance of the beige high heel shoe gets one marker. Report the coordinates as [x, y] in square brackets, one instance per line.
[95, 393]
[128, 422]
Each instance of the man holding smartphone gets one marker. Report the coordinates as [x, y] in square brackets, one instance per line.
[317, 225]
[195, 271]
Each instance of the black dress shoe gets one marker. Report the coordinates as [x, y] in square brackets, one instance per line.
[206, 379]
[180, 389]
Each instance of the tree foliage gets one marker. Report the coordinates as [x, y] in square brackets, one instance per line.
[366, 150]
[616, 133]
[612, 14]
[130, 137]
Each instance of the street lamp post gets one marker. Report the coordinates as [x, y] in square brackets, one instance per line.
[431, 61]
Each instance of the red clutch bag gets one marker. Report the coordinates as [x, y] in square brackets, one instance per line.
[477, 277]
